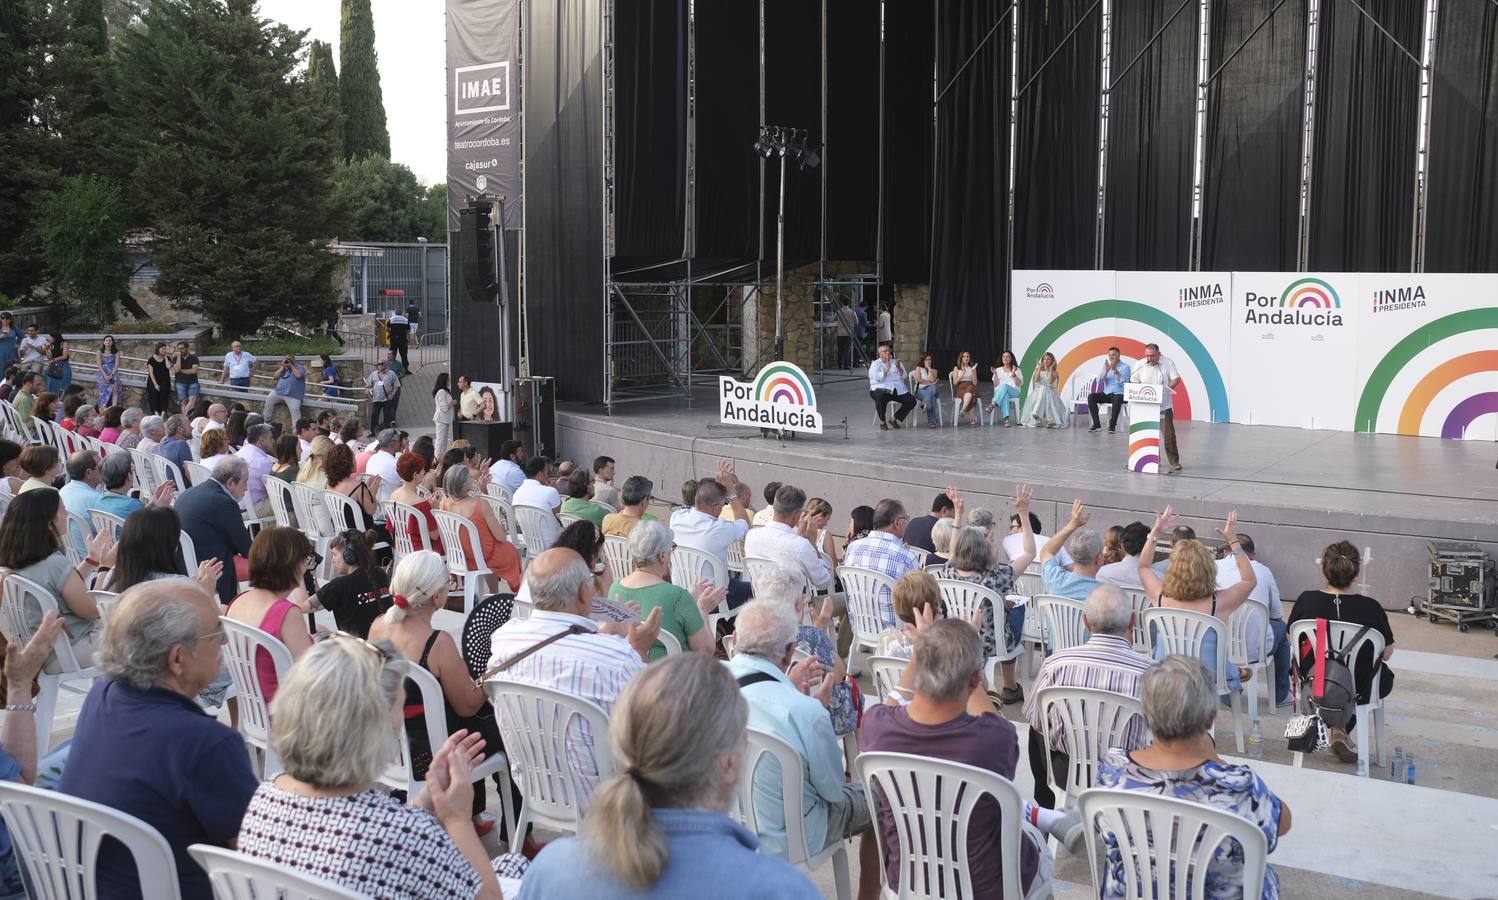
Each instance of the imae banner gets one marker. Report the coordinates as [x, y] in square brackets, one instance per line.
[1392, 353]
[780, 397]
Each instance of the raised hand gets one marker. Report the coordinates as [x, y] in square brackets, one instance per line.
[805, 673]
[162, 496]
[23, 663]
[823, 617]
[208, 572]
[101, 548]
[1229, 530]
[1079, 513]
[1166, 520]
[806, 526]
[824, 690]
[726, 475]
[708, 597]
[924, 616]
[1022, 495]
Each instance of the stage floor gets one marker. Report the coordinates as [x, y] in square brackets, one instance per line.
[1387, 493]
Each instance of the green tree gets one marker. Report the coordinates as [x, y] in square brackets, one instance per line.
[434, 212]
[322, 78]
[382, 201]
[364, 129]
[233, 163]
[83, 232]
[25, 171]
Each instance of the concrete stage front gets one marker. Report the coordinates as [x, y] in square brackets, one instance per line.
[1295, 490]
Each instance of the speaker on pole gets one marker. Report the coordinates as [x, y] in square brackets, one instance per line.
[476, 240]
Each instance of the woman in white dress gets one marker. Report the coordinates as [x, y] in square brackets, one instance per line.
[1044, 408]
[442, 416]
[1007, 381]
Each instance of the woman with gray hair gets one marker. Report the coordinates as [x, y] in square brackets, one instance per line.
[1180, 704]
[973, 560]
[332, 725]
[941, 541]
[789, 587]
[658, 829]
[683, 614]
[458, 486]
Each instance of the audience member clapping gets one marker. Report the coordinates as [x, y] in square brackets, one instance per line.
[276, 602]
[31, 546]
[788, 587]
[648, 587]
[915, 593]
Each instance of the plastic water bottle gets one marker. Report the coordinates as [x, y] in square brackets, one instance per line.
[1409, 768]
[1396, 767]
[1256, 741]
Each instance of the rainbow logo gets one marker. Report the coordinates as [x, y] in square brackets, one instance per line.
[1133, 348]
[1417, 403]
[782, 382]
[1144, 447]
[1311, 292]
[1042, 291]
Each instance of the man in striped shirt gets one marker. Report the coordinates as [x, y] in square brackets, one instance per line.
[590, 661]
[1106, 662]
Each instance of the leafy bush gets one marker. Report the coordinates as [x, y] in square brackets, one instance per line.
[308, 346]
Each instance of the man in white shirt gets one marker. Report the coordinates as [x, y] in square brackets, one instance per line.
[506, 470]
[34, 349]
[537, 491]
[700, 527]
[306, 430]
[887, 383]
[1014, 541]
[1266, 593]
[238, 366]
[789, 540]
[1125, 572]
[382, 463]
[593, 663]
[1156, 369]
[258, 443]
[218, 415]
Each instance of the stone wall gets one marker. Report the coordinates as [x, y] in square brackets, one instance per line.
[912, 308]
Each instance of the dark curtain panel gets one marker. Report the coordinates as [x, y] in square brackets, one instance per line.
[1462, 185]
[474, 328]
[909, 28]
[851, 163]
[969, 284]
[564, 197]
[1251, 184]
[1055, 191]
[1151, 132]
[793, 97]
[727, 42]
[1363, 168]
[650, 130]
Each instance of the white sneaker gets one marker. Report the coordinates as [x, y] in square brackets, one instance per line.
[1069, 831]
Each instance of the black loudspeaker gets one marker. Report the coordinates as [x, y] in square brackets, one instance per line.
[536, 416]
[476, 251]
[488, 437]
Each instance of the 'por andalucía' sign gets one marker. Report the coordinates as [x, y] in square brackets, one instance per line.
[781, 397]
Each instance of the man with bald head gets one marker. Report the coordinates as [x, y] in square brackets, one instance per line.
[218, 416]
[588, 660]
[143, 746]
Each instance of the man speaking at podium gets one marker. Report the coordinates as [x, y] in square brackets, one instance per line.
[1156, 369]
[887, 383]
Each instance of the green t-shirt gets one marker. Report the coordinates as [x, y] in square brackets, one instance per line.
[584, 509]
[679, 613]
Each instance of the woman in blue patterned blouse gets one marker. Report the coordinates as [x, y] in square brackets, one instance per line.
[1180, 702]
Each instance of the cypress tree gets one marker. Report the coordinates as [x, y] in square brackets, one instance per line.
[364, 129]
[322, 79]
[24, 166]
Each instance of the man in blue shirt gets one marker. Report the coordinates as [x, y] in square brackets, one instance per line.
[81, 493]
[143, 746]
[1114, 375]
[175, 447]
[1085, 545]
[291, 387]
[781, 704]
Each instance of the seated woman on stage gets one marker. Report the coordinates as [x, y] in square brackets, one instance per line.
[1045, 408]
[965, 386]
[1007, 380]
[925, 389]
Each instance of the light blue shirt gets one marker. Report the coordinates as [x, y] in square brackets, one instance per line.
[293, 382]
[777, 708]
[79, 498]
[1114, 381]
[1065, 583]
[121, 505]
[707, 854]
[508, 474]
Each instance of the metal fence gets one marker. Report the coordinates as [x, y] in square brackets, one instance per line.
[418, 272]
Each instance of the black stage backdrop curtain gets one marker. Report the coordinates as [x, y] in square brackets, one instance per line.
[969, 285]
[851, 161]
[1251, 184]
[1055, 192]
[793, 98]
[650, 130]
[1462, 184]
[1363, 168]
[727, 222]
[909, 31]
[1151, 133]
[564, 201]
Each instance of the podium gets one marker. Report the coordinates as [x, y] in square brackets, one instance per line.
[1144, 427]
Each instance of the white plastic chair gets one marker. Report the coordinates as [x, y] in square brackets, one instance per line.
[76, 540]
[607, 507]
[668, 640]
[1063, 621]
[313, 519]
[566, 519]
[401, 775]
[236, 876]
[1181, 631]
[756, 568]
[14, 591]
[282, 506]
[616, 552]
[957, 402]
[766, 755]
[506, 516]
[196, 471]
[736, 557]
[867, 593]
[542, 730]
[398, 520]
[102, 520]
[145, 474]
[57, 838]
[478, 579]
[963, 599]
[1247, 620]
[104, 602]
[254, 712]
[1340, 634]
[189, 553]
[342, 510]
[932, 803]
[538, 526]
[1167, 845]
[886, 671]
[1092, 722]
[166, 470]
[689, 566]
[500, 492]
[1141, 602]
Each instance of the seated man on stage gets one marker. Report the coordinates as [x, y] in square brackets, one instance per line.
[1112, 378]
[887, 382]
